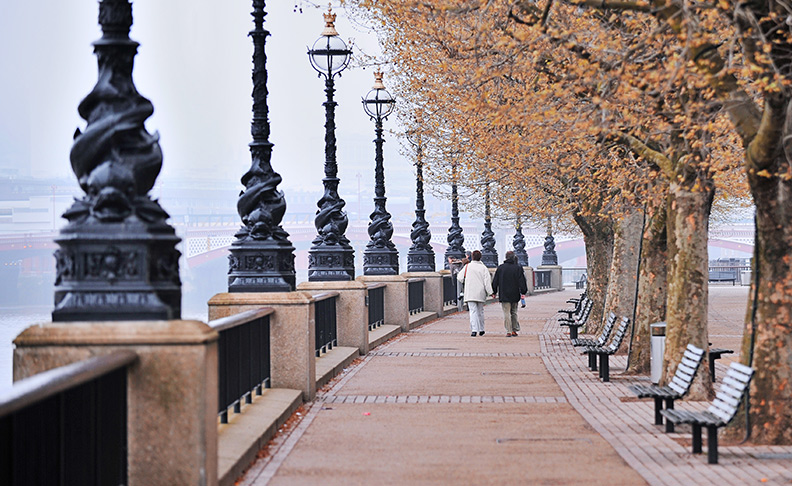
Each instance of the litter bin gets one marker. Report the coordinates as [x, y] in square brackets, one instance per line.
[745, 277]
[657, 345]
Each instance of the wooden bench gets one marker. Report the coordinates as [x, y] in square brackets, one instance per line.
[604, 352]
[581, 282]
[723, 276]
[716, 353]
[676, 389]
[579, 320]
[602, 340]
[578, 305]
[720, 412]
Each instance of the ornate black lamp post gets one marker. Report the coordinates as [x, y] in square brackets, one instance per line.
[549, 255]
[262, 257]
[519, 245]
[117, 258]
[380, 257]
[421, 257]
[331, 257]
[455, 238]
[489, 256]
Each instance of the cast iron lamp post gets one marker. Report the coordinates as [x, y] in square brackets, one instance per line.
[331, 257]
[117, 257]
[421, 257]
[455, 238]
[519, 244]
[549, 255]
[380, 256]
[489, 256]
[262, 257]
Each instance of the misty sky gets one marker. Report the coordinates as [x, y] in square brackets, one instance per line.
[194, 64]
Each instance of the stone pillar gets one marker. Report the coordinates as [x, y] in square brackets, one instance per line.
[292, 334]
[555, 276]
[397, 311]
[172, 389]
[433, 290]
[529, 279]
[352, 323]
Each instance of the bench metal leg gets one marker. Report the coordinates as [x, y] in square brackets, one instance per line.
[712, 368]
[712, 444]
[592, 361]
[696, 438]
[658, 402]
[573, 332]
[669, 405]
[605, 367]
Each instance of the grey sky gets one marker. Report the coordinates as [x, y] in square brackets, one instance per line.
[194, 64]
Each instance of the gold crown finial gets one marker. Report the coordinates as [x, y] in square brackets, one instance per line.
[378, 80]
[329, 19]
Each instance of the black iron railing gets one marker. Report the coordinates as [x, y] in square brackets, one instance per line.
[67, 425]
[449, 290]
[243, 358]
[415, 295]
[541, 279]
[325, 321]
[730, 273]
[376, 305]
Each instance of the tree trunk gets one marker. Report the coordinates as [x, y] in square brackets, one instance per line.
[652, 292]
[598, 237]
[623, 280]
[688, 275]
[771, 394]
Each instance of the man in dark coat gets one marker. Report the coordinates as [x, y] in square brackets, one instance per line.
[509, 283]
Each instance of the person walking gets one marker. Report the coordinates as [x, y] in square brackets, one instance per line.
[509, 283]
[477, 287]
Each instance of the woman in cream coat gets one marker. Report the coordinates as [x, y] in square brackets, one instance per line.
[477, 287]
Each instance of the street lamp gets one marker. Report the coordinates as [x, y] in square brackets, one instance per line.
[331, 256]
[489, 256]
[455, 238]
[519, 244]
[117, 256]
[549, 255]
[262, 257]
[380, 257]
[421, 257]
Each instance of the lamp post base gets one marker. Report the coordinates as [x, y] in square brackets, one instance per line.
[420, 261]
[489, 258]
[380, 261]
[331, 263]
[261, 266]
[117, 271]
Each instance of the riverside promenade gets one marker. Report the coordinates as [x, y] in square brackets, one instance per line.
[437, 406]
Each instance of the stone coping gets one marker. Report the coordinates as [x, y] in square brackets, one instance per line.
[117, 333]
[381, 278]
[335, 285]
[261, 298]
[240, 440]
[332, 362]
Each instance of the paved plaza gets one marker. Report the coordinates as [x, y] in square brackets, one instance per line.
[437, 406]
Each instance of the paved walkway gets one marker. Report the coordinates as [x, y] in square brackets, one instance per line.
[436, 406]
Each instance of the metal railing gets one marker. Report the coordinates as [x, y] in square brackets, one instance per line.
[67, 425]
[571, 275]
[415, 295]
[325, 322]
[243, 358]
[450, 295]
[541, 279]
[730, 273]
[375, 300]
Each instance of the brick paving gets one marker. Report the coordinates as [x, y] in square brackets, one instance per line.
[435, 406]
